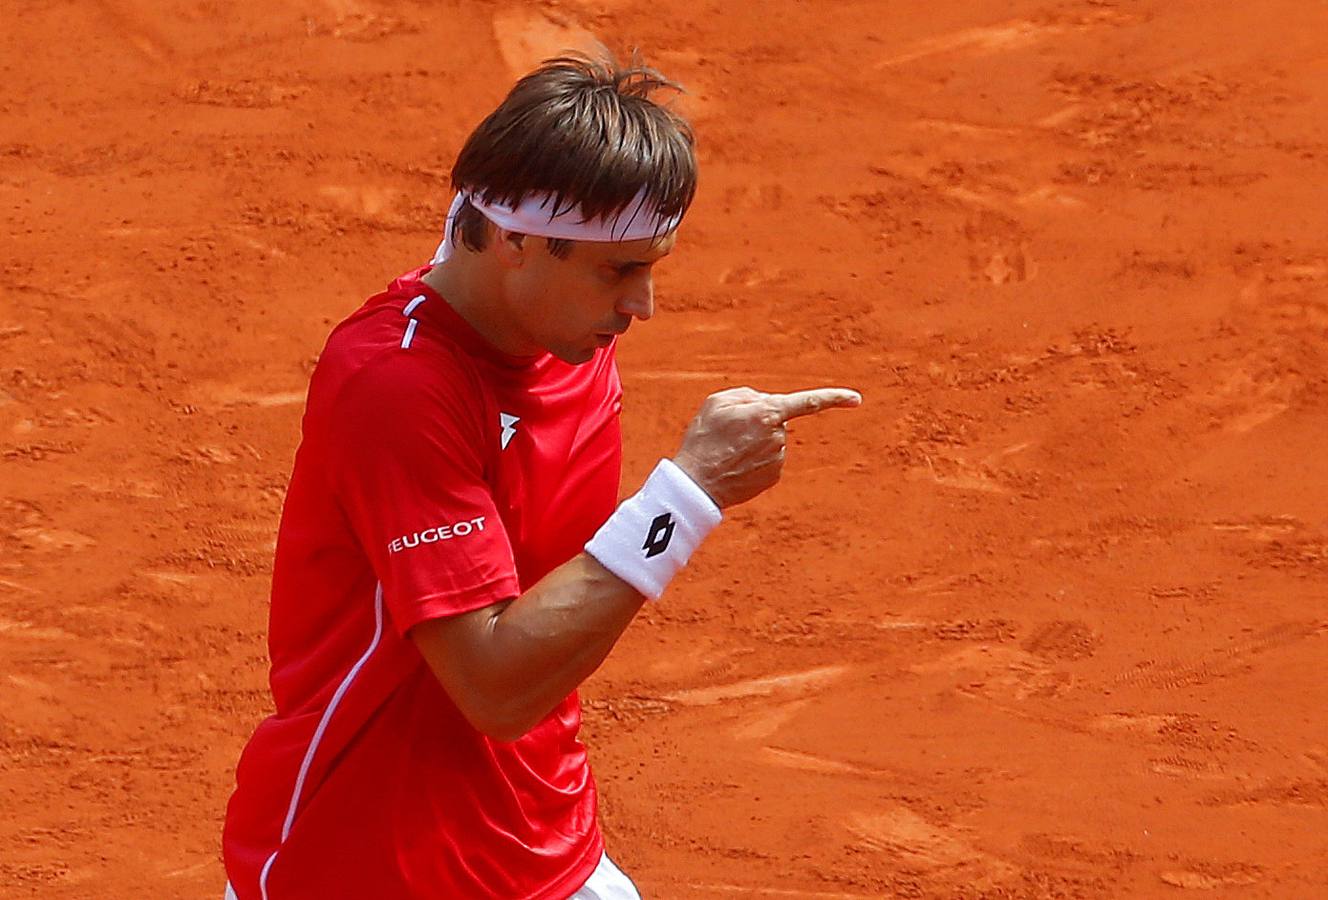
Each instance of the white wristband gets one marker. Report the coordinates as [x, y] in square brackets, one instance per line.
[653, 533]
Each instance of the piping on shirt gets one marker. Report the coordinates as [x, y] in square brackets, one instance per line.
[413, 323]
[318, 736]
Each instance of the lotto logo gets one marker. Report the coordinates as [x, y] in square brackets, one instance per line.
[661, 532]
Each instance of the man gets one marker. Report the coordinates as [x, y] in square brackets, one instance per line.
[450, 565]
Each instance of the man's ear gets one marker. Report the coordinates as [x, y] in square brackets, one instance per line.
[511, 247]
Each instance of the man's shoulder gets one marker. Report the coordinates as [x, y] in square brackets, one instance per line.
[383, 339]
[387, 381]
[375, 344]
[369, 371]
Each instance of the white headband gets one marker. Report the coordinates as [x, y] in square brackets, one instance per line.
[636, 221]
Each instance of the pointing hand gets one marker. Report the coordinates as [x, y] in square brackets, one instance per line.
[734, 448]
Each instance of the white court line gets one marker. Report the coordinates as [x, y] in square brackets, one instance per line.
[774, 892]
[757, 687]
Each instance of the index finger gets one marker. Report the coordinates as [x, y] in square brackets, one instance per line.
[806, 403]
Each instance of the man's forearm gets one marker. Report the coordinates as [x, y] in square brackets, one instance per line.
[507, 666]
[551, 638]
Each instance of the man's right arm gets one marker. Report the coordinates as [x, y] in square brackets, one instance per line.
[508, 665]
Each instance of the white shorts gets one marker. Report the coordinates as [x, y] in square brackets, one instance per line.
[607, 882]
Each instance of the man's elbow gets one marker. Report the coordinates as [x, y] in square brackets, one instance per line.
[503, 722]
[506, 733]
[489, 705]
[460, 653]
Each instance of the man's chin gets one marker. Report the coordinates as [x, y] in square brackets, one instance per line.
[575, 356]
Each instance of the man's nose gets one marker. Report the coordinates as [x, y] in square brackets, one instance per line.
[639, 300]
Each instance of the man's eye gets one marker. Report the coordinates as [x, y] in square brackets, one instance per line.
[619, 273]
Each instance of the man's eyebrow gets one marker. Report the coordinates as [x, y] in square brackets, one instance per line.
[629, 263]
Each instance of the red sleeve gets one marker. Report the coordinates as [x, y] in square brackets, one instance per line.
[406, 459]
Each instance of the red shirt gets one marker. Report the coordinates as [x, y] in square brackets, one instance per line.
[435, 476]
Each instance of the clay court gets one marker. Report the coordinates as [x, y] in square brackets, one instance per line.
[1047, 617]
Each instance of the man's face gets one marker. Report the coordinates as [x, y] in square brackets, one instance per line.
[573, 305]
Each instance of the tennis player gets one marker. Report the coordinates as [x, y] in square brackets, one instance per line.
[452, 561]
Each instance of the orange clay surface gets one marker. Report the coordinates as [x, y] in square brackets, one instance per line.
[1045, 618]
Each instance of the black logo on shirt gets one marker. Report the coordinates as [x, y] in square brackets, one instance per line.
[661, 532]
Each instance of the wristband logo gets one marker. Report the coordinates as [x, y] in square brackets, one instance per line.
[436, 534]
[661, 532]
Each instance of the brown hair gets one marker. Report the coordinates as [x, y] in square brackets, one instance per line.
[585, 130]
